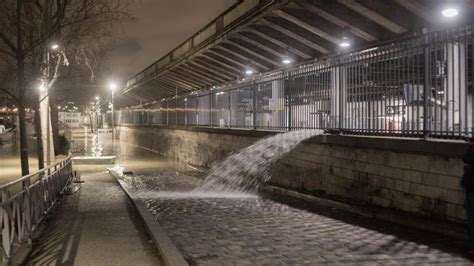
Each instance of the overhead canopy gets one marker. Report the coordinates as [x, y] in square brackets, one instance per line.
[258, 35]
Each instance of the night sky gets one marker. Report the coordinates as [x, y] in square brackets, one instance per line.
[161, 25]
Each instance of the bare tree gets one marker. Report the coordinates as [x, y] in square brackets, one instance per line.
[28, 27]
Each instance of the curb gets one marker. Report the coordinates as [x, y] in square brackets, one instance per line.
[168, 251]
[443, 228]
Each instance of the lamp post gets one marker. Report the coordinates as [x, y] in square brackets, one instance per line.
[45, 106]
[97, 113]
[113, 87]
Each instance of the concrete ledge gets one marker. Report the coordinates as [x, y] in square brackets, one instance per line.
[93, 160]
[448, 148]
[228, 131]
[457, 231]
[168, 251]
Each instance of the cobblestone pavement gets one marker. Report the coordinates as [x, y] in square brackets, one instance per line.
[216, 230]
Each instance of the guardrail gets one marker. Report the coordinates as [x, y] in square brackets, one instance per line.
[26, 201]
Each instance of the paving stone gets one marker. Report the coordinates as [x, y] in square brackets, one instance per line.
[262, 231]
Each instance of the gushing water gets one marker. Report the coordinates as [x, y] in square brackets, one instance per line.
[247, 170]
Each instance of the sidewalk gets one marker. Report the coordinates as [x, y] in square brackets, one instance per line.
[96, 226]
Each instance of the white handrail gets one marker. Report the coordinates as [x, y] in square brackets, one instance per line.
[28, 176]
[22, 211]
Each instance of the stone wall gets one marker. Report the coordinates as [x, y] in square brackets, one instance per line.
[416, 176]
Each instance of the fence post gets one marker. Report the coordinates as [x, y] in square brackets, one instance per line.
[427, 85]
[254, 118]
[288, 95]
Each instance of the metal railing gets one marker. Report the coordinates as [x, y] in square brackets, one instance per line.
[25, 202]
[416, 87]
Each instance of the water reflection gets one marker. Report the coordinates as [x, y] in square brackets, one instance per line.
[10, 163]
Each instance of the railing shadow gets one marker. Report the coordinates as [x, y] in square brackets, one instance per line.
[61, 236]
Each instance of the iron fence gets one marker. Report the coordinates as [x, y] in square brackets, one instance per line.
[25, 202]
[417, 87]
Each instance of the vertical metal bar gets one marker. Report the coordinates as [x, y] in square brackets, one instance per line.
[254, 118]
[426, 86]
[289, 96]
[230, 110]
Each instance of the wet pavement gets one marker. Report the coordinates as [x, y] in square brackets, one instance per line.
[97, 225]
[222, 229]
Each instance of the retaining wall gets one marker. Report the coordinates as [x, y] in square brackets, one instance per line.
[416, 176]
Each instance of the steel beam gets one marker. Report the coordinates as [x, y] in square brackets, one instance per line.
[166, 86]
[252, 52]
[259, 45]
[189, 79]
[211, 69]
[221, 69]
[338, 21]
[204, 72]
[243, 65]
[278, 43]
[307, 26]
[418, 9]
[245, 58]
[193, 73]
[374, 16]
[237, 70]
[295, 36]
[176, 83]
[177, 79]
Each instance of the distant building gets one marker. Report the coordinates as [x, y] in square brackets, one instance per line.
[70, 119]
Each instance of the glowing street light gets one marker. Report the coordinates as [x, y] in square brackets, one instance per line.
[42, 87]
[287, 61]
[112, 86]
[97, 98]
[249, 72]
[345, 43]
[449, 12]
[54, 46]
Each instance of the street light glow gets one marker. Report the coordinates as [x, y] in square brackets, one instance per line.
[54, 46]
[97, 98]
[286, 61]
[42, 87]
[345, 43]
[449, 12]
[249, 71]
[112, 86]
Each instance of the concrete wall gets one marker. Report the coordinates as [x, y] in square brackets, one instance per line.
[416, 176]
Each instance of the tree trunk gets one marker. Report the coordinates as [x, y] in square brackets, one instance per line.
[25, 168]
[39, 140]
[55, 124]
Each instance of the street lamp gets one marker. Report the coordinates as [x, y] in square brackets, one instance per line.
[45, 106]
[113, 87]
[345, 42]
[449, 12]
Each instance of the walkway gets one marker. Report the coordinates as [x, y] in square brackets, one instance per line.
[96, 226]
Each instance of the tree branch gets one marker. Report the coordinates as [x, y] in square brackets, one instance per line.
[7, 53]
[8, 43]
[7, 92]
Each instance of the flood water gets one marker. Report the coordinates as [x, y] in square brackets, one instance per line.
[247, 169]
[10, 165]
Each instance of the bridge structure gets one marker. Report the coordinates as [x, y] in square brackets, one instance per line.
[366, 67]
[263, 35]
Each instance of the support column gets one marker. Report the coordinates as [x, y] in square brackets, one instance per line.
[455, 87]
